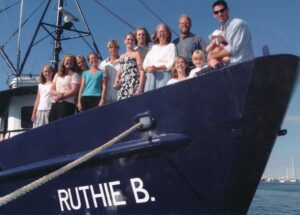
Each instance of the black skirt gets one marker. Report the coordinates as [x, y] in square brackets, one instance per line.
[60, 110]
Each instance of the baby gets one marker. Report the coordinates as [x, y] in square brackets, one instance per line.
[216, 45]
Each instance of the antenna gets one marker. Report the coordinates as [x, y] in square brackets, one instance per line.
[19, 39]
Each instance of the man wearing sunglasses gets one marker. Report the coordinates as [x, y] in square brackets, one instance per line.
[236, 34]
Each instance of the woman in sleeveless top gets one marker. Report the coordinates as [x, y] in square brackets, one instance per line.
[130, 77]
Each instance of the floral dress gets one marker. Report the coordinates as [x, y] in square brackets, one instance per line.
[129, 80]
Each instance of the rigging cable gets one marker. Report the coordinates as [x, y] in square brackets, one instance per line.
[84, 40]
[155, 14]
[7, 18]
[114, 14]
[44, 37]
[10, 6]
[88, 29]
[25, 21]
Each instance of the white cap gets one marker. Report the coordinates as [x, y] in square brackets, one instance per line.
[216, 33]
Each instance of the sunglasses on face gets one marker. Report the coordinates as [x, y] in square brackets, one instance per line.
[220, 11]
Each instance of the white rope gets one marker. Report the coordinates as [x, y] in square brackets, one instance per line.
[35, 184]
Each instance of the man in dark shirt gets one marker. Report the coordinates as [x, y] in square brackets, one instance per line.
[188, 42]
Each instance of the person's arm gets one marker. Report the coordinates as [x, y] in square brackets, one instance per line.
[56, 96]
[82, 85]
[203, 45]
[238, 38]
[107, 73]
[170, 57]
[75, 85]
[103, 93]
[141, 71]
[72, 92]
[211, 45]
[36, 103]
[117, 79]
[221, 54]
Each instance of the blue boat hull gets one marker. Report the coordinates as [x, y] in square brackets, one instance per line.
[205, 154]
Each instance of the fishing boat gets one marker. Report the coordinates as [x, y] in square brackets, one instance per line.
[223, 124]
[196, 147]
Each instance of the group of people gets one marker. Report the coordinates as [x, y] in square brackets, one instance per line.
[77, 86]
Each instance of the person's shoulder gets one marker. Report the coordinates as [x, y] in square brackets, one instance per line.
[172, 81]
[137, 53]
[196, 69]
[76, 75]
[102, 73]
[104, 62]
[171, 45]
[237, 22]
[86, 72]
[123, 56]
[175, 41]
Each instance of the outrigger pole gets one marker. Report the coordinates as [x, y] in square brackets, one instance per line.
[33, 39]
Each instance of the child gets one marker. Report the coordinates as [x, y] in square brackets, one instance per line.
[216, 45]
[93, 85]
[42, 105]
[179, 70]
[198, 59]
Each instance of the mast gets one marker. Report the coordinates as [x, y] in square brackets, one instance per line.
[58, 32]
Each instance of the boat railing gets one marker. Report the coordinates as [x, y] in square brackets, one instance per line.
[10, 133]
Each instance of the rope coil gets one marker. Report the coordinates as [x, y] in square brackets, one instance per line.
[43, 180]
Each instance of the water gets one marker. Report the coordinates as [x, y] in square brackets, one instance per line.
[276, 199]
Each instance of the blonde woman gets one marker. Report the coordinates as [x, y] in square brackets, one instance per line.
[111, 65]
[65, 88]
[159, 60]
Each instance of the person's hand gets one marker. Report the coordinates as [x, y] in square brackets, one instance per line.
[102, 102]
[117, 85]
[79, 107]
[151, 69]
[33, 118]
[58, 96]
[138, 91]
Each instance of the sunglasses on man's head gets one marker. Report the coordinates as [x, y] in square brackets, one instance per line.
[220, 11]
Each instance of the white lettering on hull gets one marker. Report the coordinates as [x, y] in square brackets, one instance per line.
[106, 194]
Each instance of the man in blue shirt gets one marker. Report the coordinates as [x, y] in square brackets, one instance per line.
[188, 42]
[236, 34]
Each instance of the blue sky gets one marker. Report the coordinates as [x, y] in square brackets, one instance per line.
[272, 23]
